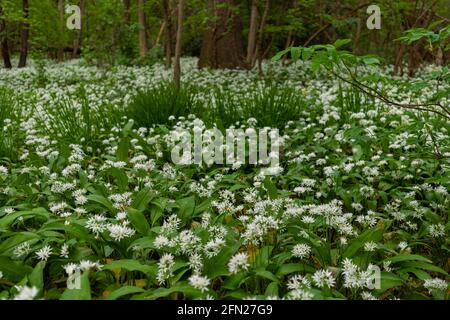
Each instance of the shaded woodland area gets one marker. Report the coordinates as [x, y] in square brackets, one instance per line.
[222, 33]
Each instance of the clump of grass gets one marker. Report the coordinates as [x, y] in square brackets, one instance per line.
[156, 105]
[8, 117]
[77, 121]
[271, 106]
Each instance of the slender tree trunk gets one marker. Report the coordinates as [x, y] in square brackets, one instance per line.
[287, 45]
[61, 31]
[126, 12]
[223, 45]
[207, 54]
[178, 47]
[168, 31]
[77, 42]
[4, 43]
[24, 36]
[398, 67]
[357, 35]
[251, 45]
[259, 49]
[143, 46]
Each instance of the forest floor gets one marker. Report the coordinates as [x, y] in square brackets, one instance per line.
[357, 208]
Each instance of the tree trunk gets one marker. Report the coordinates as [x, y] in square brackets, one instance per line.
[178, 47]
[259, 53]
[4, 43]
[398, 67]
[78, 38]
[143, 46]
[24, 36]
[251, 45]
[223, 45]
[61, 31]
[168, 31]
[126, 12]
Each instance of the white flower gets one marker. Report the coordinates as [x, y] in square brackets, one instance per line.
[87, 265]
[368, 296]
[44, 253]
[322, 278]
[120, 231]
[70, 268]
[199, 282]
[300, 294]
[3, 170]
[26, 293]
[64, 251]
[435, 284]
[239, 262]
[437, 230]
[9, 210]
[301, 250]
[403, 245]
[166, 262]
[370, 246]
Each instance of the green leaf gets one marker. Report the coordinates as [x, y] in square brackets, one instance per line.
[182, 287]
[267, 274]
[129, 265]
[289, 268]
[187, 206]
[407, 257]
[280, 54]
[271, 188]
[138, 221]
[425, 266]
[142, 199]
[6, 221]
[36, 277]
[272, 290]
[122, 150]
[296, 53]
[217, 266]
[121, 178]
[341, 42]
[123, 291]
[389, 280]
[12, 270]
[101, 200]
[374, 235]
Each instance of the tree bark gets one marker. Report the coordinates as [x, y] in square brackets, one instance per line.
[223, 45]
[178, 47]
[61, 31]
[24, 35]
[4, 42]
[168, 31]
[251, 45]
[126, 12]
[143, 46]
[259, 53]
[77, 42]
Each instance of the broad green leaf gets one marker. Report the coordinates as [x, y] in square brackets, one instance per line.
[129, 265]
[138, 221]
[116, 294]
[13, 270]
[36, 277]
